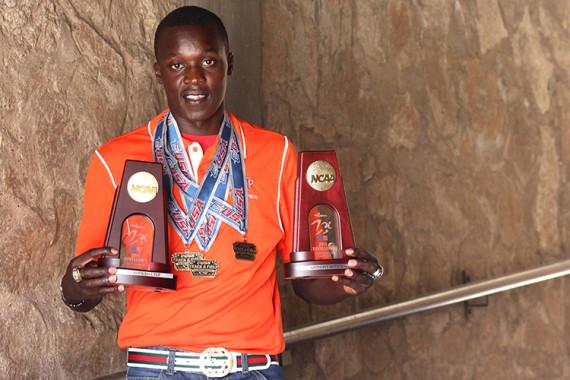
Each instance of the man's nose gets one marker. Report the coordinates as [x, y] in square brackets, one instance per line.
[194, 75]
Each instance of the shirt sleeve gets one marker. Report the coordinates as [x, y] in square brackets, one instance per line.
[287, 200]
[97, 204]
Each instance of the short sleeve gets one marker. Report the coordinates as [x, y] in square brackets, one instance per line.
[287, 199]
[97, 204]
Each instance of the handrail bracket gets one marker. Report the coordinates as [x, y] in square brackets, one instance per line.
[470, 304]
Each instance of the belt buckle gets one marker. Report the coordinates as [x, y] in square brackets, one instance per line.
[216, 362]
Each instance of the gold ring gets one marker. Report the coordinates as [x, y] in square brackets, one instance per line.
[76, 274]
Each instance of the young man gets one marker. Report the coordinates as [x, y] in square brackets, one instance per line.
[237, 313]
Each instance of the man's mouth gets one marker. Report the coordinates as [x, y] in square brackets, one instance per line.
[194, 96]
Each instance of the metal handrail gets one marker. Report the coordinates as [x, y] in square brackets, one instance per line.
[429, 302]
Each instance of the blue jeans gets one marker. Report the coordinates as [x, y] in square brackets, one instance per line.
[274, 372]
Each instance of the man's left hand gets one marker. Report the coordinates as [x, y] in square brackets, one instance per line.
[363, 269]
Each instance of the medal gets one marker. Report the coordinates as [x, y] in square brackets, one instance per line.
[244, 250]
[195, 263]
[204, 205]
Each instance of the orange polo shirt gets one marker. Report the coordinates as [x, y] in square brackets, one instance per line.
[240, 308]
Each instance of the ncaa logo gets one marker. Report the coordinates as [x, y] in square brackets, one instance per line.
[142, 187]
[321, 176]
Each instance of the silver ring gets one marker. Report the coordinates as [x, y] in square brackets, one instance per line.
[377, 273]
[76, 274]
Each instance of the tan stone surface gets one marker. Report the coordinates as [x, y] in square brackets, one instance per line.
[68, 79]
[450, 119]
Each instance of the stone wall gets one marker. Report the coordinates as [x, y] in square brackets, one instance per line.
[74, 74]
[450, 118]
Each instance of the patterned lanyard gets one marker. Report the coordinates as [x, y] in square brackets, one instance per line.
[205, 204]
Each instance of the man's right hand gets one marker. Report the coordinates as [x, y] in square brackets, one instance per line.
[85, 290]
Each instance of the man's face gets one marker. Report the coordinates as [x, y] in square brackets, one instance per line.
[193, 65]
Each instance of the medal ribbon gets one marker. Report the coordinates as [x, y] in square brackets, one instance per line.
[205, 204]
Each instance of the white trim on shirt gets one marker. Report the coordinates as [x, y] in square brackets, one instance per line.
[148, 129]
[279, 184]
[106, 167]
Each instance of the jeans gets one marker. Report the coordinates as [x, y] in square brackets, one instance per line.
[274, 372]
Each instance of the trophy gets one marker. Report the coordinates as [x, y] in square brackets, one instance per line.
[321, 230]
[138, 230]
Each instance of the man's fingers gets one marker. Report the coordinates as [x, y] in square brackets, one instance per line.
[88, 273]
[111, 289]
[359, 277]
[97, 287]
[92, 255]
[352, 286]
[363, 265]
[355, 252]
[95, 253]
[98, 282]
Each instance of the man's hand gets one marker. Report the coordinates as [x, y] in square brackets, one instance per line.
[84, 284]
[363, 270]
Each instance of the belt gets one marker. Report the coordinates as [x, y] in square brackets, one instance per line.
[212, 362]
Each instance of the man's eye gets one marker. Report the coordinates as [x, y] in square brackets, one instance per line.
[176, 66]
[209, 62]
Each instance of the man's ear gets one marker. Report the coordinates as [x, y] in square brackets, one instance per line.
[230, 63]
[157, 72]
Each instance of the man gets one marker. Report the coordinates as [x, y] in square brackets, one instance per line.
[236, 312]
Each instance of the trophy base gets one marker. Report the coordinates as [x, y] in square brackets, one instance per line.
[313, 269]
[146, 280]
[156, 280]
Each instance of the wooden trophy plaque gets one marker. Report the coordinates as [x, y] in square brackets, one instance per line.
[138, 230]
[321, 230]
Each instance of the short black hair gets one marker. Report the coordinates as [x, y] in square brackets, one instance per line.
[192, 15]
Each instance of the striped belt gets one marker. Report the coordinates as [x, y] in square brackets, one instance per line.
[212, 362]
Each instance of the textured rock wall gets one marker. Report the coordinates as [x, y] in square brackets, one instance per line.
[74, 74]
[450, 118]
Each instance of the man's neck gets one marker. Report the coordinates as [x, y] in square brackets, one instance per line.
[200, 128]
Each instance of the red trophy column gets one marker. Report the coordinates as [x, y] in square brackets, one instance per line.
[322, 225]
[138, 229]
